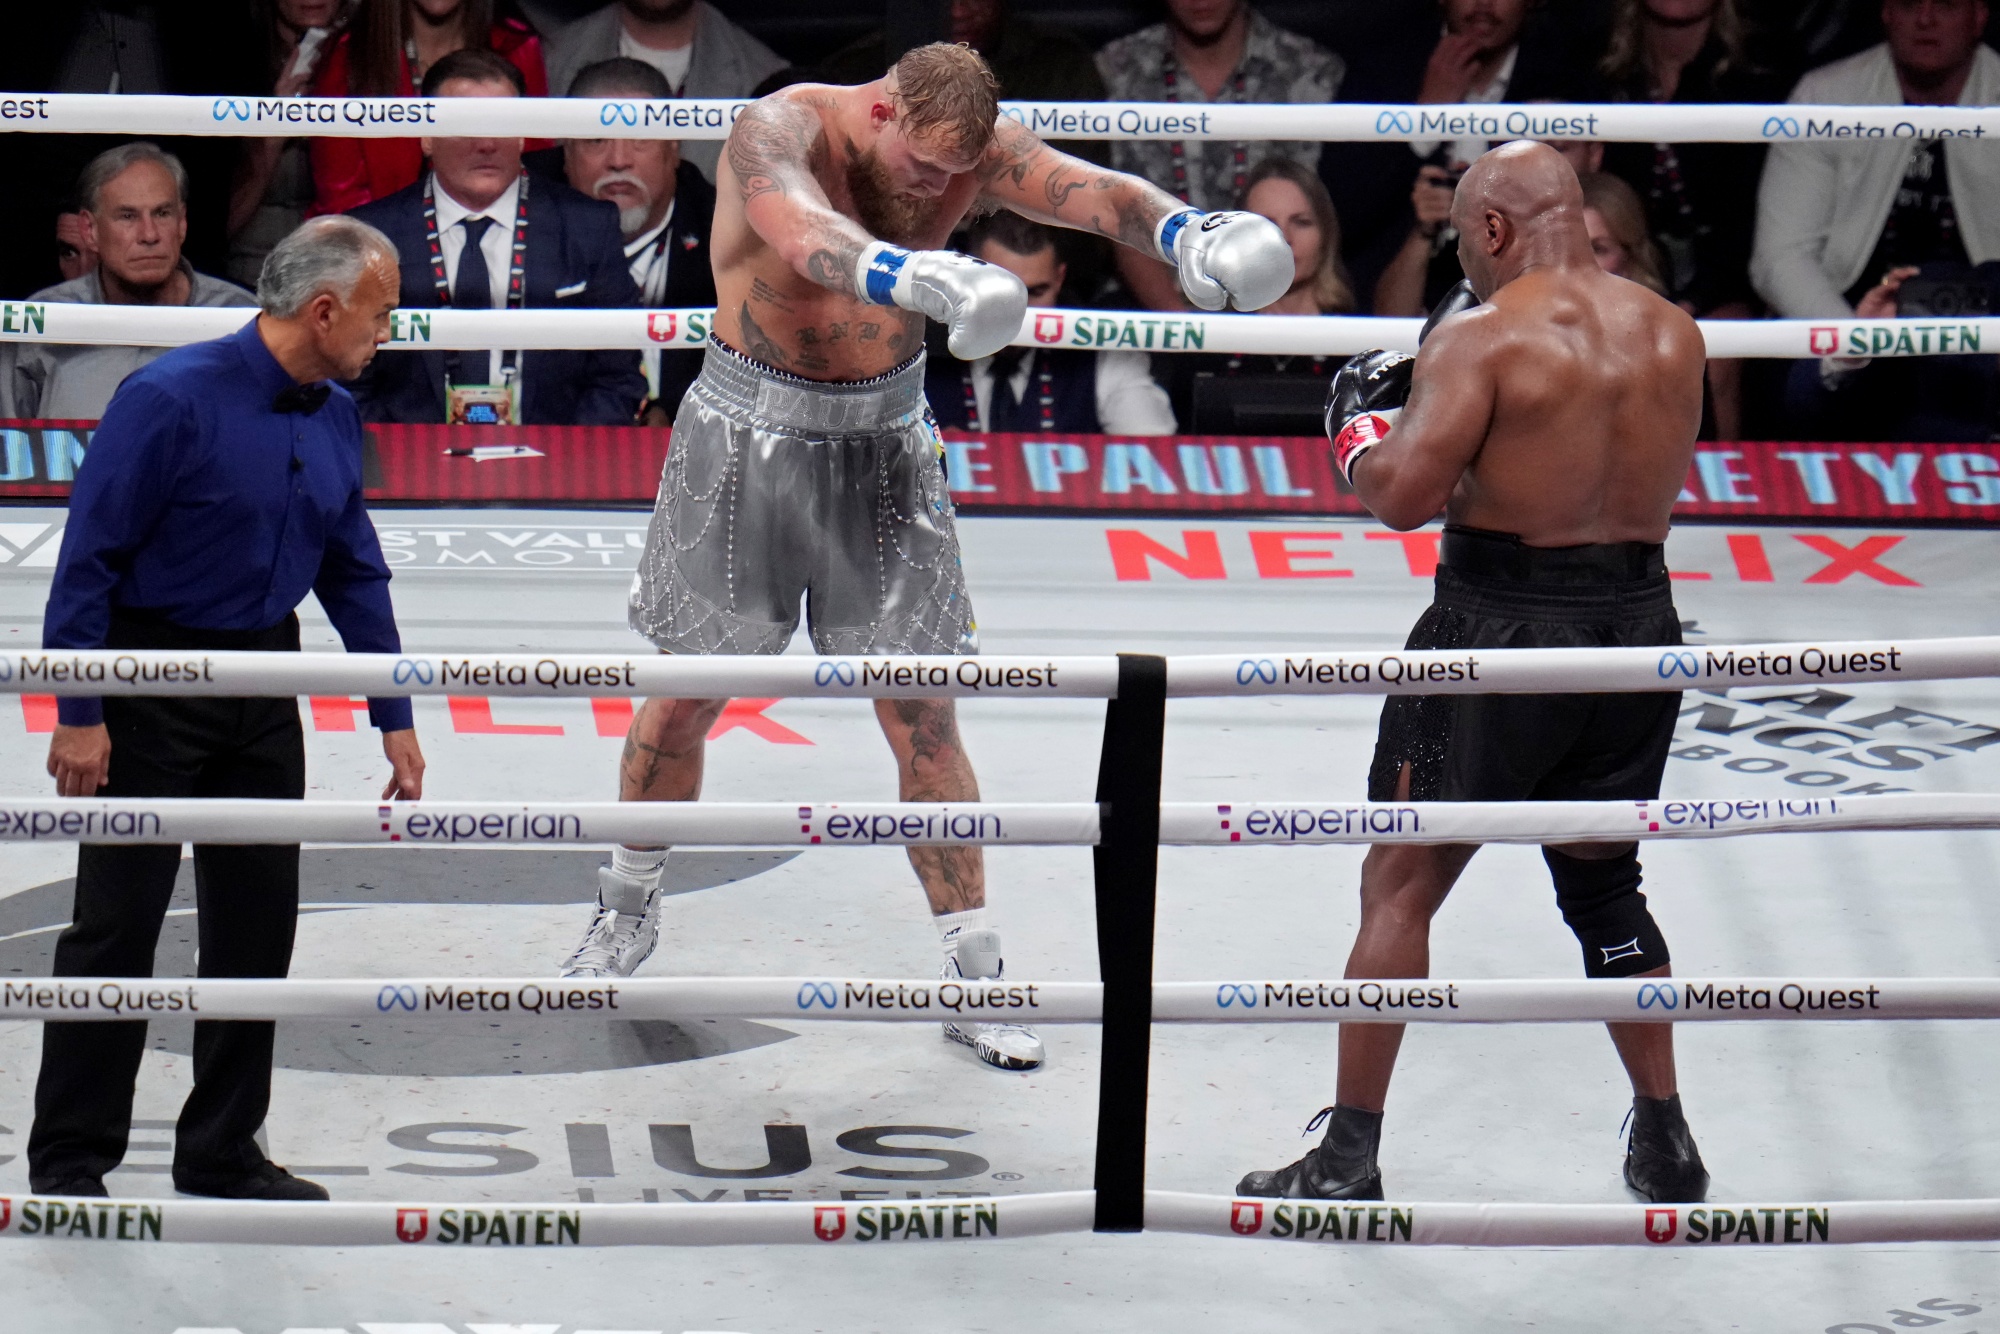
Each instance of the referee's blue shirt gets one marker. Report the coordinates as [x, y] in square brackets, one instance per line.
[199, 501]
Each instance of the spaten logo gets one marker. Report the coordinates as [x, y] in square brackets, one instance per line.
[827, 673]
[1661, 1225]
[390, 997]
[1236, 993]
[818, 993]
[1824, 340]
[1048, 328]
[1256, 669]
[829, 1221]
[1246, 1217]
[662, 325]
[616, 113]
[412, 1225]
[1397, 121]
[1679, 664]
[230, 108]
[409, 669]
[1781, 127]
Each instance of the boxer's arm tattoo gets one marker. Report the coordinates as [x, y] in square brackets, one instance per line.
[776, 151]
[1021, 172]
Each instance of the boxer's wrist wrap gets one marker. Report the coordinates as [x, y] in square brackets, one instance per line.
[876, 272]
[1357, 435]
[1170, 229]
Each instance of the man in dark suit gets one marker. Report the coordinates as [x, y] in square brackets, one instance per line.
[665, 208]
[1452, 51]
[478, 232]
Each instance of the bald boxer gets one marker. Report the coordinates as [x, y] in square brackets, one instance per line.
[1552, 421]
[805, 462]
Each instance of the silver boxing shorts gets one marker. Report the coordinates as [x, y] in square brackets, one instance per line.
[778, 487]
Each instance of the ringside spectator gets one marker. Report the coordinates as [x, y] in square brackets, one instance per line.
[665, 210]
[273, 188]
[472, 229]
[1294, 197]
[386, 52]
[1485, 51]
[699, 51]
[1208, 51]
[134, 216]
[1693, 51]
[1616, 221]
[76, 253]
[1843, 224]
[1041, 388]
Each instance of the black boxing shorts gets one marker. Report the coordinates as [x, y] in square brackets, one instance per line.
[1494, 592]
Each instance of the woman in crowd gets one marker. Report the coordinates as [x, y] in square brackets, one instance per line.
[1294, 197]
[273, 188]
[1616, 221]
[1697, 197]
[384, 53]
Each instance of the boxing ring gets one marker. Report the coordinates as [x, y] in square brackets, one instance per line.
[1126, 827]
[1129, 822]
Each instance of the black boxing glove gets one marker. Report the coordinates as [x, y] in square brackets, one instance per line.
[1366, 397]
[1460, 297]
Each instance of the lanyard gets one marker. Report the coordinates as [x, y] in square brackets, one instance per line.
[1045, 394]
[517, 285]
[652, 253]
[1177, 149]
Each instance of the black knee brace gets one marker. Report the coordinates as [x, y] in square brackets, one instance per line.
[1602, 904]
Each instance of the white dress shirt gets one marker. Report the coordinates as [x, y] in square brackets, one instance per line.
[1129, 402]
[649, 258]
[497, 246]
[1464, 152]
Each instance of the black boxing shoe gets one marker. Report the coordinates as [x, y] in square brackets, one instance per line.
[1661, 1161]
[1341, 1167]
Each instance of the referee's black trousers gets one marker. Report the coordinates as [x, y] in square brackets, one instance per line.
[247, 901]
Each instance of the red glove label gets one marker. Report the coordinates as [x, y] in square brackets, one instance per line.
[1360, 434]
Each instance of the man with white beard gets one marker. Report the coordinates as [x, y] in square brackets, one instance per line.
[665, 206]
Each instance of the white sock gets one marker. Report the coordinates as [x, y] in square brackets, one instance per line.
[644, 867]
[951, 925]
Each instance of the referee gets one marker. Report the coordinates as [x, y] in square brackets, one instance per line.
[223, 483]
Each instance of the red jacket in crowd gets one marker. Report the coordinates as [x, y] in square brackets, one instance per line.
[350, 172]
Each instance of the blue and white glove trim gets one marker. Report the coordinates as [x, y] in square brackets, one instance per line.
[1169, 231]
[878, 270]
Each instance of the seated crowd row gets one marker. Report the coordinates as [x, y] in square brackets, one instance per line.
[1729, 231]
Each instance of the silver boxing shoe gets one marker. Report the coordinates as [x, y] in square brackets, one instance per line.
[624, 931]
[1002, 1046]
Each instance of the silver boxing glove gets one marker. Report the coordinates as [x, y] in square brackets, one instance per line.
[981, 304]
[1226, 259]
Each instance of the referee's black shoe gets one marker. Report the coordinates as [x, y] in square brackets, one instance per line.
[1661, 1161]
[77, 1188]
[267, 1182]
[1340, 1167]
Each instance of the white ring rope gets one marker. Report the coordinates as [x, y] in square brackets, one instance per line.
[1145, 331]
[944, 1221]
[854, 824]
[711, 118]
[103, 672]
[448, 1000]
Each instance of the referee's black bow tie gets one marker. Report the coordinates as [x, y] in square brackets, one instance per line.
[305, 398]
